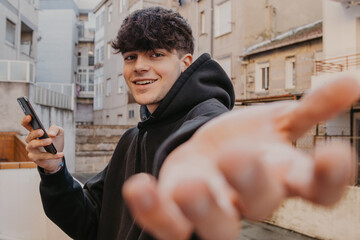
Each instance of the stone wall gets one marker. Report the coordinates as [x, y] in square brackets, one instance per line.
[95, 145]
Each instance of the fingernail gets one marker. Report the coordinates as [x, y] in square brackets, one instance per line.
[52, 133]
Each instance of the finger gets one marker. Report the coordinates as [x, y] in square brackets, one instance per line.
[335, 168]
[40, 156]
[320, 105]
[211, 222]
[259, 188]
[55, 131]
[157, 214]
[38, 143]
[25, 122]
[34, 134]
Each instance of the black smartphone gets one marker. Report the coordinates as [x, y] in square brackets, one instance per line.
[35, 121]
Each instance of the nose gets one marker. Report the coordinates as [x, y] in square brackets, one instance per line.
[141, 64]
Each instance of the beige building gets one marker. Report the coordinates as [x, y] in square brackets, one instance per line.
[281, 68]
[229, 29]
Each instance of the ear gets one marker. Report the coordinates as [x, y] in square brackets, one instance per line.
[186, 61]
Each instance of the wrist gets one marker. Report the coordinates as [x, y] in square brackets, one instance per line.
[58, 168]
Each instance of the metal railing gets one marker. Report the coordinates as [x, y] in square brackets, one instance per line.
[17, 71]
[338, 64]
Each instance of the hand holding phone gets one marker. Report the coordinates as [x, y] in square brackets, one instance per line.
[35, 121]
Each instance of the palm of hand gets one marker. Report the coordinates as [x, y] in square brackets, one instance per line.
[243, 164]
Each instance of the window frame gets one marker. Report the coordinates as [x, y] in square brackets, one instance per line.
[290, 72]
[8, 21]
[219, 18]
[261, 84]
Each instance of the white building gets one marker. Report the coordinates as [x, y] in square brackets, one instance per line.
[18, 51]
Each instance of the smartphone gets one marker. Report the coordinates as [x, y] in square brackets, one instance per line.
[35, 121]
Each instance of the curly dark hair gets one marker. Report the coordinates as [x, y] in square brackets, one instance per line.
[154, 28]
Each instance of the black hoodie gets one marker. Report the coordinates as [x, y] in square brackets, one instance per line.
[98, 211]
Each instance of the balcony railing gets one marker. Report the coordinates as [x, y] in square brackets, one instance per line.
[17, 71]
[63, 97]
[338, 64]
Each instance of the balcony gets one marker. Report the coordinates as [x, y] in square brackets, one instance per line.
[335, 66]
[338, 64]
[57, 95]
[17, 71]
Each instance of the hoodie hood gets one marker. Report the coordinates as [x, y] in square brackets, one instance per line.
[202, 80]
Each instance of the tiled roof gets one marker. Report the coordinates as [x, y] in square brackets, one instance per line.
[296, 35]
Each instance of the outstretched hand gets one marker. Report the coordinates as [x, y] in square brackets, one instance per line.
[242, 164]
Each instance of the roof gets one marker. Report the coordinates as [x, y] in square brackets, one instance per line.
[289, 96]
[295, 35]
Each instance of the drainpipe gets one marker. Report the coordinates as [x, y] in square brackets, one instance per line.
[18, 35]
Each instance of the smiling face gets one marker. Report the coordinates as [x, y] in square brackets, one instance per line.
[150, 74]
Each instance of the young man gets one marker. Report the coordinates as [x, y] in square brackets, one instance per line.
[157, 47]
[210, 173]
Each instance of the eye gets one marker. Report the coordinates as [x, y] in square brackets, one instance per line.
[157, 55]
[129, 57]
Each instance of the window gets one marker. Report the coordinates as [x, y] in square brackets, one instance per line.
[131, 113]
[81, 29]
[102, 18]
[108, 87]
[225, 63]
[97, 55]
[10, 32]
[97, 23]
[108, 51]
[79, 59]
[82, 79]
[91, 80]
[121, 83]
[290, 73]
[102, 54]
[122, 5]
[202, 23]
[109, 13]
[91, 58]
[98, 93]
[222, 18]
[26, 37]
[262, 77]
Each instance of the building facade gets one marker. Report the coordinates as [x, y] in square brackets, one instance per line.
[85, 67]
[18, 51]
[228, 29]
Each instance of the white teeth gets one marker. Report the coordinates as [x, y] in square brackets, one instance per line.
[144, 82]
